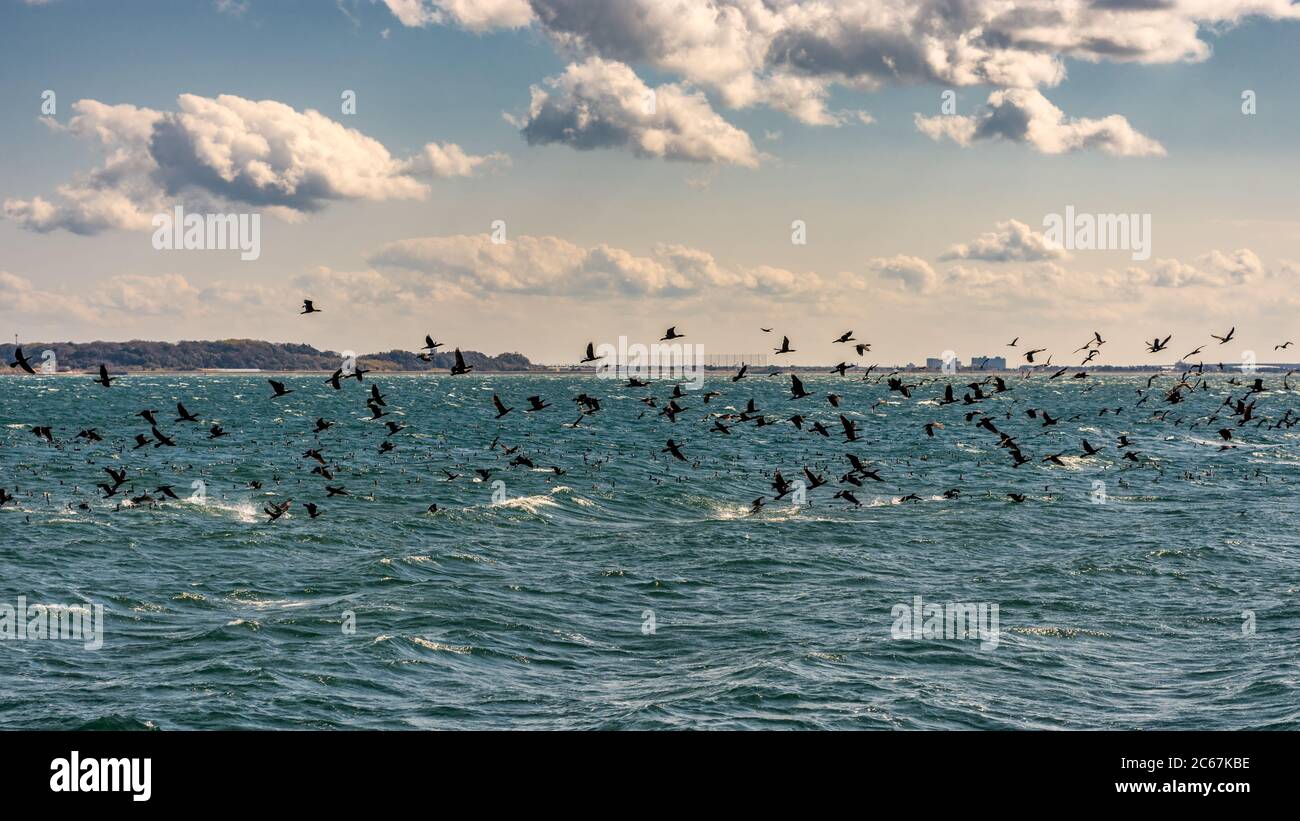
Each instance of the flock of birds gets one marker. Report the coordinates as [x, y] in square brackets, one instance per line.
[1237, 410]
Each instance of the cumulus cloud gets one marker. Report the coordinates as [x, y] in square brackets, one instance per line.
[552, 266]
[450, 160]
[913, 273]
[1213, 270]
[1011, 241]
[227, 150]
[475, 15]
[789, 54]
[1026, 116]
[603, 104]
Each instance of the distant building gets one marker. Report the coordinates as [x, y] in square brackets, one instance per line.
[988, 363]
[933, 364]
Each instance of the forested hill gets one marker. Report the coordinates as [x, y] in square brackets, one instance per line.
[138, 355]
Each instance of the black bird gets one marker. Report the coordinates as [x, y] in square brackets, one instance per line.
[376, 396]
[331, 490]
[671, 333]
[104, 379]
[279, 389]
[785, 346]
[1016, 497]
[740, 374]
[537, 404]
[430, 345]
[502, 410]
[90, 435]
[850, 428]
[796, 388]
[460, 367]
[322, 425]
[118, 476]
[674, 449]
[21, 361]
[308, 308]
[1089, 450]
[216, 432]
[591, 354]
[335, 380]
[162, 439]
[167, 491]
[148, 416]
[848, 497]
[1223, 340]
[847, 336]
[312, 510]
[184, 415]
[814, 481]
[780, 485]
[43, 432]
[276, 511]
[1158, 344]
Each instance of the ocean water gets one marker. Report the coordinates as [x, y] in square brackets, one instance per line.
[638, 591]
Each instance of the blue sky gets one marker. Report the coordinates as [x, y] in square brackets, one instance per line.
[620, 241]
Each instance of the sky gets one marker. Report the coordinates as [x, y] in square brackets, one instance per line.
[508, 175]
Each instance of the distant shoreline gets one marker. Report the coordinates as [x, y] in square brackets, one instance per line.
[802, 370]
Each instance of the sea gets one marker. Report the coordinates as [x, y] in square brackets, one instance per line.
[601, 583]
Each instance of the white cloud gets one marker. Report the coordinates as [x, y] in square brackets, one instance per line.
[787, 55]
[475, 15]
[1011, 241]
[552, 266]
[913, 273]
[1214, 270]
[227, 150]
[603, 104]
[1026, 116]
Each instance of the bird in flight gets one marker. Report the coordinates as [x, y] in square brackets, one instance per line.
[279, 388]
[21, 361]
[1223, 340]
[671, 333]
[308, 308]
[104, 379]
[674, 449]
[1159, 344]
[460, 367]
[785, 346]
[591, 354]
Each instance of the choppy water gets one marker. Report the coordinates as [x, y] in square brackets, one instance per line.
[535, 611]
